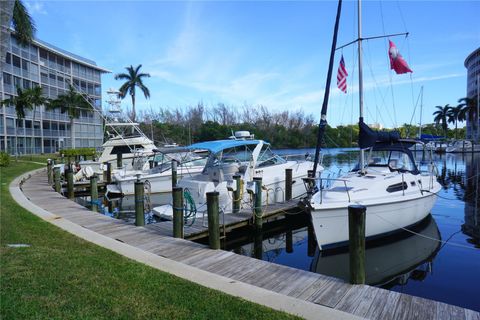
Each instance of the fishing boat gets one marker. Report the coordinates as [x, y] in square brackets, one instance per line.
[244, 156]
[396, 193]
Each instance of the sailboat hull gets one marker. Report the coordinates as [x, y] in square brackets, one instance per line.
[331, 225]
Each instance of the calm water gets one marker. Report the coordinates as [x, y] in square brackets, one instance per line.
[442, 263]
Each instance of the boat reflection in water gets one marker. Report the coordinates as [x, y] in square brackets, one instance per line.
[388, 261]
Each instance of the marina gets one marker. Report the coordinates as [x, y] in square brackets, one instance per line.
[366, 301]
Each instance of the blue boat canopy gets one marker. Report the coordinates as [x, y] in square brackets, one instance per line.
[219, 145]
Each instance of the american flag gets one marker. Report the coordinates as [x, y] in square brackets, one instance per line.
[342, 76]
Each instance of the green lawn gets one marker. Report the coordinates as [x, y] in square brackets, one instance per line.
[63, 277]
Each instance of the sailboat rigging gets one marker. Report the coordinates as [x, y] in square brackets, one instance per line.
[396, 193]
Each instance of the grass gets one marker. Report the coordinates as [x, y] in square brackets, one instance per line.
[63, 277]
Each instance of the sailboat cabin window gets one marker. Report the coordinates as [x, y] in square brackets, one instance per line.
[393, 160]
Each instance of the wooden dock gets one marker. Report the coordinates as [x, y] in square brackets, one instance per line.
[199, 227]
[360, 300]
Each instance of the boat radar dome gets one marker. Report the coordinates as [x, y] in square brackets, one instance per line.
[243, 135]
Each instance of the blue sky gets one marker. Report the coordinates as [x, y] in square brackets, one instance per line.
[271, 53]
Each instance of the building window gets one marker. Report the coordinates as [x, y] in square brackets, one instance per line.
[9, 58]
[7, 78]
[16, 61]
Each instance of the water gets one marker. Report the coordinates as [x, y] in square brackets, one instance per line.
[445, 269]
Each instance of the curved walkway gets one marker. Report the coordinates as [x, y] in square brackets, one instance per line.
[298, 292]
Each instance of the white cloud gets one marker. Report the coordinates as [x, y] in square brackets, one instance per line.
[35, 7]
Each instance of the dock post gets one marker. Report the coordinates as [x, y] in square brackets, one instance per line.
[56, 177]
[174, 173]
[69, 176]
[258, 244]
[356, 230]
[258, 202]
[177, 194]
[139, 204]
[119, 161]
[94, 192]
[213, 220]
[289, 241]
[107, 173]
[236, 194]
[311, 241]
[49, 171]
[288, 184]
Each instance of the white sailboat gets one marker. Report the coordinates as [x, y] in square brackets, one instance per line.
[389, 183]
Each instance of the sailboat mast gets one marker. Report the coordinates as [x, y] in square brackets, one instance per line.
[360, 79]
[421, 111]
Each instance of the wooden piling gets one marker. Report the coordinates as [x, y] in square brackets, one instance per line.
[311, 240]
[139, 204]
[94, 192]
[107, 173]
[289, 241]
[174, 173]
[56, 177]
[237, 194]
[356, 230]
[213, 220]
[258, 244]
[288, 184]
[69, 176]
[177, 194]
[49, 172]
[119, 161]
[258, 202]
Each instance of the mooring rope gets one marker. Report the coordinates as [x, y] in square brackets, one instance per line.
[427, 237]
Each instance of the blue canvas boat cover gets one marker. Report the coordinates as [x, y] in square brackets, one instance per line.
[219, 145]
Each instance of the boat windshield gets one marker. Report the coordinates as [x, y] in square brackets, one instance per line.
[268, 158]
[393, 160]
[240, 154]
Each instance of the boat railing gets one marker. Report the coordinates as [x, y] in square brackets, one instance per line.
[317, 185]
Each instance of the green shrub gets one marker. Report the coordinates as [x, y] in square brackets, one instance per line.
[78, 152]
[4, 159]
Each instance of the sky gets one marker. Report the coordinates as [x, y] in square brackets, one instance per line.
[272, 53]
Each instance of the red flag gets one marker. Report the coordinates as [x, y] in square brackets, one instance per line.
[342, 76]
[397, 62]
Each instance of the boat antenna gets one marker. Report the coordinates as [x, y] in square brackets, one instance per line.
[323, 115]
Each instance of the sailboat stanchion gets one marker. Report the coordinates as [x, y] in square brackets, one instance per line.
[174, 173]
[258, 203]
[177, 194]
[56, 178]
[69, 176]
[288, 184]
[236, 194]
[356, 230]
[119, 161]
[139, 203]
[213, 220]
[94, 192]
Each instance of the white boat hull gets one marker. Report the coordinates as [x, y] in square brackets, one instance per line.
[331, 225]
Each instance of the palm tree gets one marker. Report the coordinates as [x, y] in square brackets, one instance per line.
[37, 99]
[469, 111]
[13, 13]
[133, 79]
[441, 117]
[455, 114]
[71, 103]
[26, 99]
